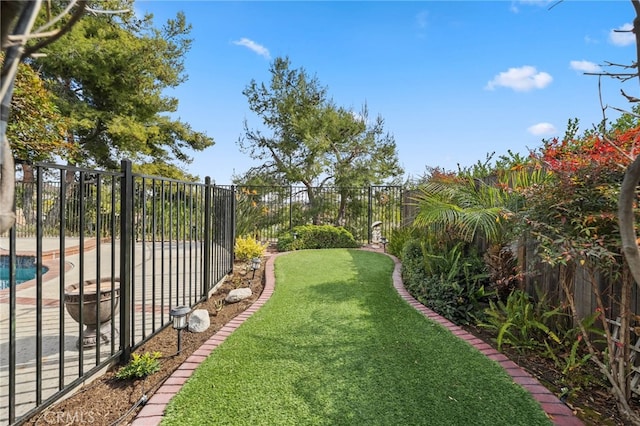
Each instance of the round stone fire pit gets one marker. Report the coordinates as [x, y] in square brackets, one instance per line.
[95, 327]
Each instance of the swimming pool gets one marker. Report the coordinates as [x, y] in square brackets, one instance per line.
[26, 270]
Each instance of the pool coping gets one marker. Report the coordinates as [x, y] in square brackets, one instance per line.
[50, 260]
[153, 411]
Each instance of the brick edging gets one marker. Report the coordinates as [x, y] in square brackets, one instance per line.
[556, 410]
[153, 411]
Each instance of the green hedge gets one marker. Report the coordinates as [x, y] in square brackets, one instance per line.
[316, 237]
[450, 282]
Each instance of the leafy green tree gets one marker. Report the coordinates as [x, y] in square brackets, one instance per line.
[312, 141]
[37, 131]
[159, 168]
[109, 74]
[360, 153]
[17, 19]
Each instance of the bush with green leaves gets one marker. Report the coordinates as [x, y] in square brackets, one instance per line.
[140, 366]
[246, 248]
[449, 281]
[399, 238]
[316, 237]
[414, 274]
[458, 302]
[524, 323]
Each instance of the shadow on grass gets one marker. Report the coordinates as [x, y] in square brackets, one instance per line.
[341, 347]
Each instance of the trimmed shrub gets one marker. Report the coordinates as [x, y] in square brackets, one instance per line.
[414, 274]
[316, 237]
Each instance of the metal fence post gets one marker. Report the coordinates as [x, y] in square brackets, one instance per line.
[233, 223]
[12, 323]
[401, 206]
[290, 207]
[369, 216]
[126, 214]
[206, 282]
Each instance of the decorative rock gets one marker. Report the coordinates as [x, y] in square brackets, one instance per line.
[238, 294]
[199, 320]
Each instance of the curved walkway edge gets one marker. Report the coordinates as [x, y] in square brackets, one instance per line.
[556, 410]
[152, 413]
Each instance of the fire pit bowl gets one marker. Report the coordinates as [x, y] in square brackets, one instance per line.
[95, 326]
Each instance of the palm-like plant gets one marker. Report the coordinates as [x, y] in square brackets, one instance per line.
[465, 208]
[462, 209]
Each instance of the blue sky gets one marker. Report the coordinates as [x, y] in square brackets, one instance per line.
[453, 80]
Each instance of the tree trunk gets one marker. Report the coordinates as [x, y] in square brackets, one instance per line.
[315, 210]
[626, 218]
[53, 215]
[28, 183]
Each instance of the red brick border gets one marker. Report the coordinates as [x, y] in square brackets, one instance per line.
[151, 414]
[556, 410]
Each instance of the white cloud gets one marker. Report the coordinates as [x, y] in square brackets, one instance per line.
[422, 19]
[585, 66]
[622, 39]
[542, 129]
[252, 45]
[541, 3]
[521, 79]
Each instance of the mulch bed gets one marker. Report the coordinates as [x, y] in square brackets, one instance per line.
[108, 400]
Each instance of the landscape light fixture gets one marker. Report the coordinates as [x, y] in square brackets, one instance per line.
[384, 242]
[255, 264]
[180, 322]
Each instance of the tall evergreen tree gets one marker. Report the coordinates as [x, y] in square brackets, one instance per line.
[312, 141]
[109, 73]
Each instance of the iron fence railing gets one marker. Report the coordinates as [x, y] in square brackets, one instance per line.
[118, 247]
[267, 211]
[126, 248]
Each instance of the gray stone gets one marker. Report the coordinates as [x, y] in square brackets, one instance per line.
[199, 320]
[238, 294]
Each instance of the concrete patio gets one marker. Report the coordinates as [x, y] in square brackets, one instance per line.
[60, 331]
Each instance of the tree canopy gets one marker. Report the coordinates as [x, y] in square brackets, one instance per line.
[313, 141]
[109, 73]
[36, 128]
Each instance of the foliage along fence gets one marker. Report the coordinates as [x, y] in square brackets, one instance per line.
[541, 278]
[265, 212]
[148, 244]
[586, 284]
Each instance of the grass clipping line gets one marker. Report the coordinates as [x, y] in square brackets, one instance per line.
[336, 344]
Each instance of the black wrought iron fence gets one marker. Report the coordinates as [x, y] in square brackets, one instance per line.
[125, 248]
[264, 212]
[119, 250]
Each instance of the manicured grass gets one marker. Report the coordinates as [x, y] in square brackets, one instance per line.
[335, 345]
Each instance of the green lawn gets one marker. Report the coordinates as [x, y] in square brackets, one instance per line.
[335, 345]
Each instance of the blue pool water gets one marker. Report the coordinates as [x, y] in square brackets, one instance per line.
[25, 270]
